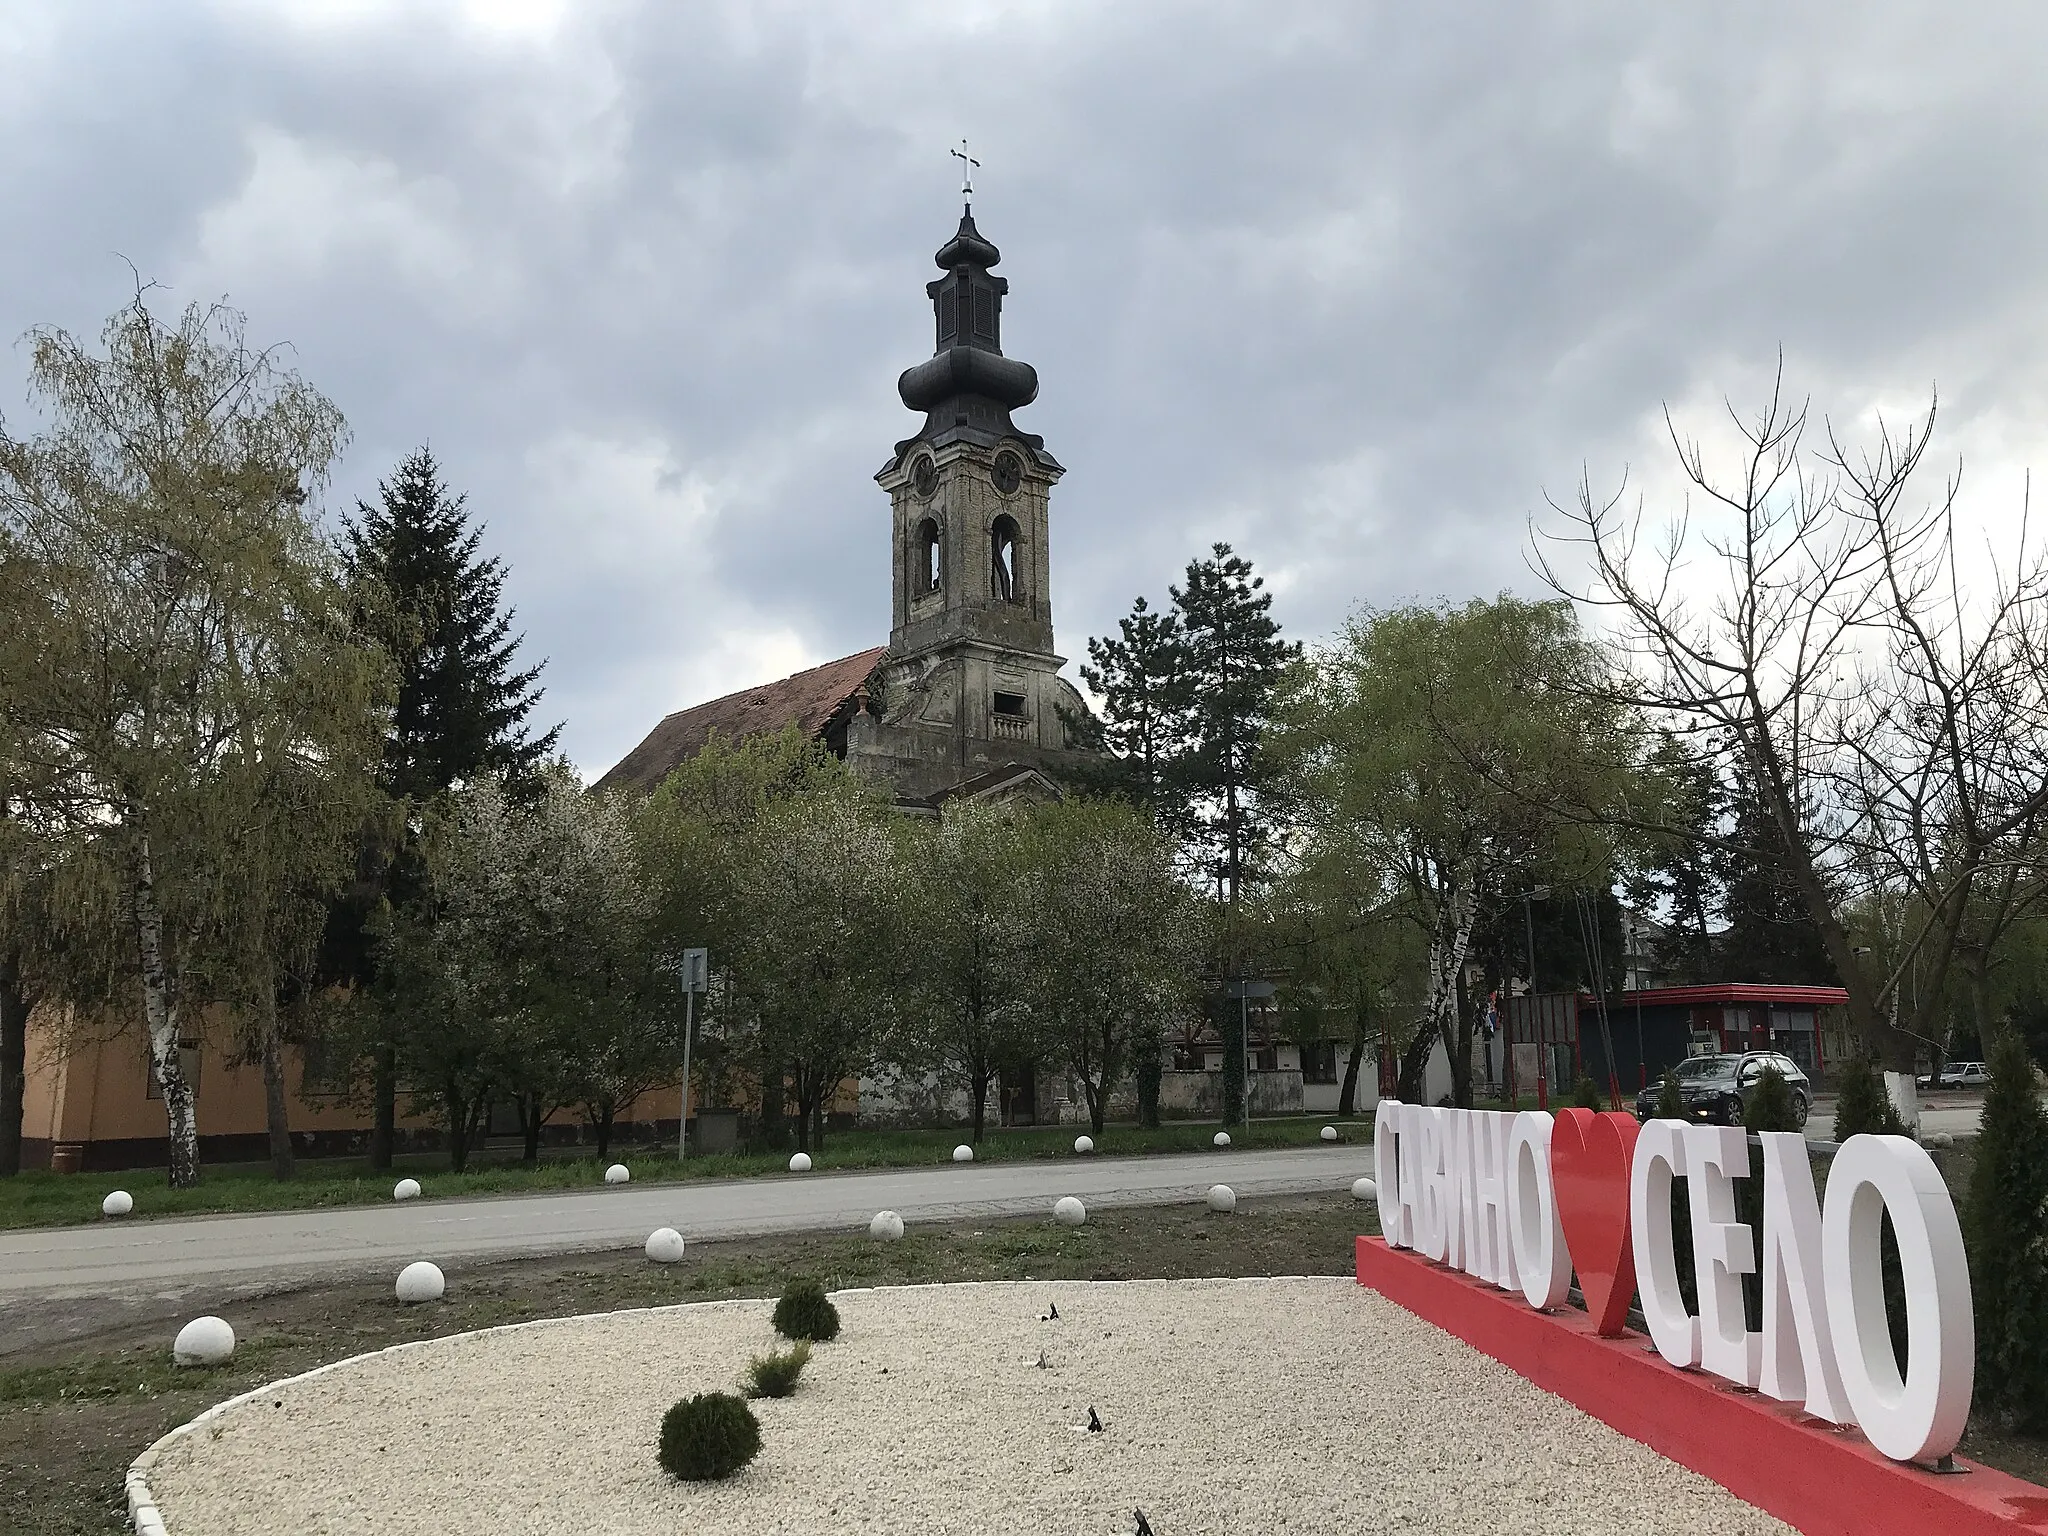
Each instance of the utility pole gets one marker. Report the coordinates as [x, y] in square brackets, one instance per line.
[696, 971]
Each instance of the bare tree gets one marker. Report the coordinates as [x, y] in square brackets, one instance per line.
[1891, 727]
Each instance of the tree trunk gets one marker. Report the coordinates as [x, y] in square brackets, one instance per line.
[458, 1129]
[602, 1123]
[980, 1081]
[530, 1116]
[14, 1006]
[773, 1127]
[1151, 1071]
[160, 1013]
[1415, 1065]
[384, 1105]
[1347, 1096]
[1230, 1026]
[818, 1131]
[276, 1110]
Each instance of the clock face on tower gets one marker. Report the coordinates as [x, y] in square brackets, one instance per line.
[925, 476]
[1008, 473]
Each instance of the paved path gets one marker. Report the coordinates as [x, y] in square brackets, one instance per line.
[56, 1262]
[1951, 1118]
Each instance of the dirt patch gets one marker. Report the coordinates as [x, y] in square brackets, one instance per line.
[74, 1414]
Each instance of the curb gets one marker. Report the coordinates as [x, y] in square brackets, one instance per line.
[147, 1519]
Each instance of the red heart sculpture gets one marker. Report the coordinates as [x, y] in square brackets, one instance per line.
[1590, 1155]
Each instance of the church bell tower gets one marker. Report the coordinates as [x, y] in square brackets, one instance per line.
[972, 682]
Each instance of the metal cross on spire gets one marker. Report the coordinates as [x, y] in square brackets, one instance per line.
[968, 166]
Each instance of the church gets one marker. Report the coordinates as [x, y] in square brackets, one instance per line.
[966, 698]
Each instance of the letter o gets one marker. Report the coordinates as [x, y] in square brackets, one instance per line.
[1386, 1173]
[1920, 1416]
[1541, 1258]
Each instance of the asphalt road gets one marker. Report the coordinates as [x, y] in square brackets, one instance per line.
[288, 1246]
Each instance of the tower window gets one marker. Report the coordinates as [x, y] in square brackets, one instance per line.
[1010, 704]
[928, 571]
[949, 314]
[1003, 557]
[984, 313]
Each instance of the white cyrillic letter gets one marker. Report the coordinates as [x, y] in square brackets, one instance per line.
[1723, 1250]
[1386, 1173]
[1427, 1149]
[1412, 1178]
[1660, 1158]
[1541, 1258]
[1489, 1197]
[1921, 1416]
[1460, 1198]
[1799, 1348]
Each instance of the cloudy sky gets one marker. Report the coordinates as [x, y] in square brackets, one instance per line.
[1349, 285]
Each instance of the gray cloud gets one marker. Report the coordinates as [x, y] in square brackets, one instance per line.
[1346, 285]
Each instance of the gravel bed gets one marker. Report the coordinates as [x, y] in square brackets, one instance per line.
[1232, 1408]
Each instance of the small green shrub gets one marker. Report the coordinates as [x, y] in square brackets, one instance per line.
[1671, 1099]
[1768, 1106]
[805, 1312]
[1862, 1106]
[775, 1375]
[2006, 1220]
[1587, 1094]
[709, 1436]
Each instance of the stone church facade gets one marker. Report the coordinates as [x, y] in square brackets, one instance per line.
[966, 699]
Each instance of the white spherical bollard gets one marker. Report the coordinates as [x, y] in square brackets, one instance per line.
[665, 1245]
[887, 1226]
[203, 1341]
[1084, 1143]
[119, 1203]
[1222, 1198]
[1220, 1139]
[406, 1189]
[801, 1163]
[1365, 1189]
[618, 1173]
[963, 1153]
[1329, 1133]
[421, 1282]
[1068, 1211]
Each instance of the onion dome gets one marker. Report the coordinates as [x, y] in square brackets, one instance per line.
[967, 385]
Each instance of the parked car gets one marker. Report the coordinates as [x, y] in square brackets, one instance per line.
[1965, 1074]
[1713, 1086]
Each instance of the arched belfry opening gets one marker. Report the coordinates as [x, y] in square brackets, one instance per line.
[930, 569]
[1002, 554]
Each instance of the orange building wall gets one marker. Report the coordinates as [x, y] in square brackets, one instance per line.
[92, 1094]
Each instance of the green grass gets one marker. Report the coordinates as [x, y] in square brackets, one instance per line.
[43, 1199]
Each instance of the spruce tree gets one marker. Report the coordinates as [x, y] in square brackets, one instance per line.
[461, 710]
[1233, 662]
[2007, 1222]
[1141, 678]
[462, 706]
[1770, 934]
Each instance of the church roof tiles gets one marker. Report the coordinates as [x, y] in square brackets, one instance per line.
[811, 699]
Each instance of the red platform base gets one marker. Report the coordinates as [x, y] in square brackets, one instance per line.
[1817, 1477]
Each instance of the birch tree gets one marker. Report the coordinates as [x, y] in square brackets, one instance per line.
[1434, 743]
[162, 518]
